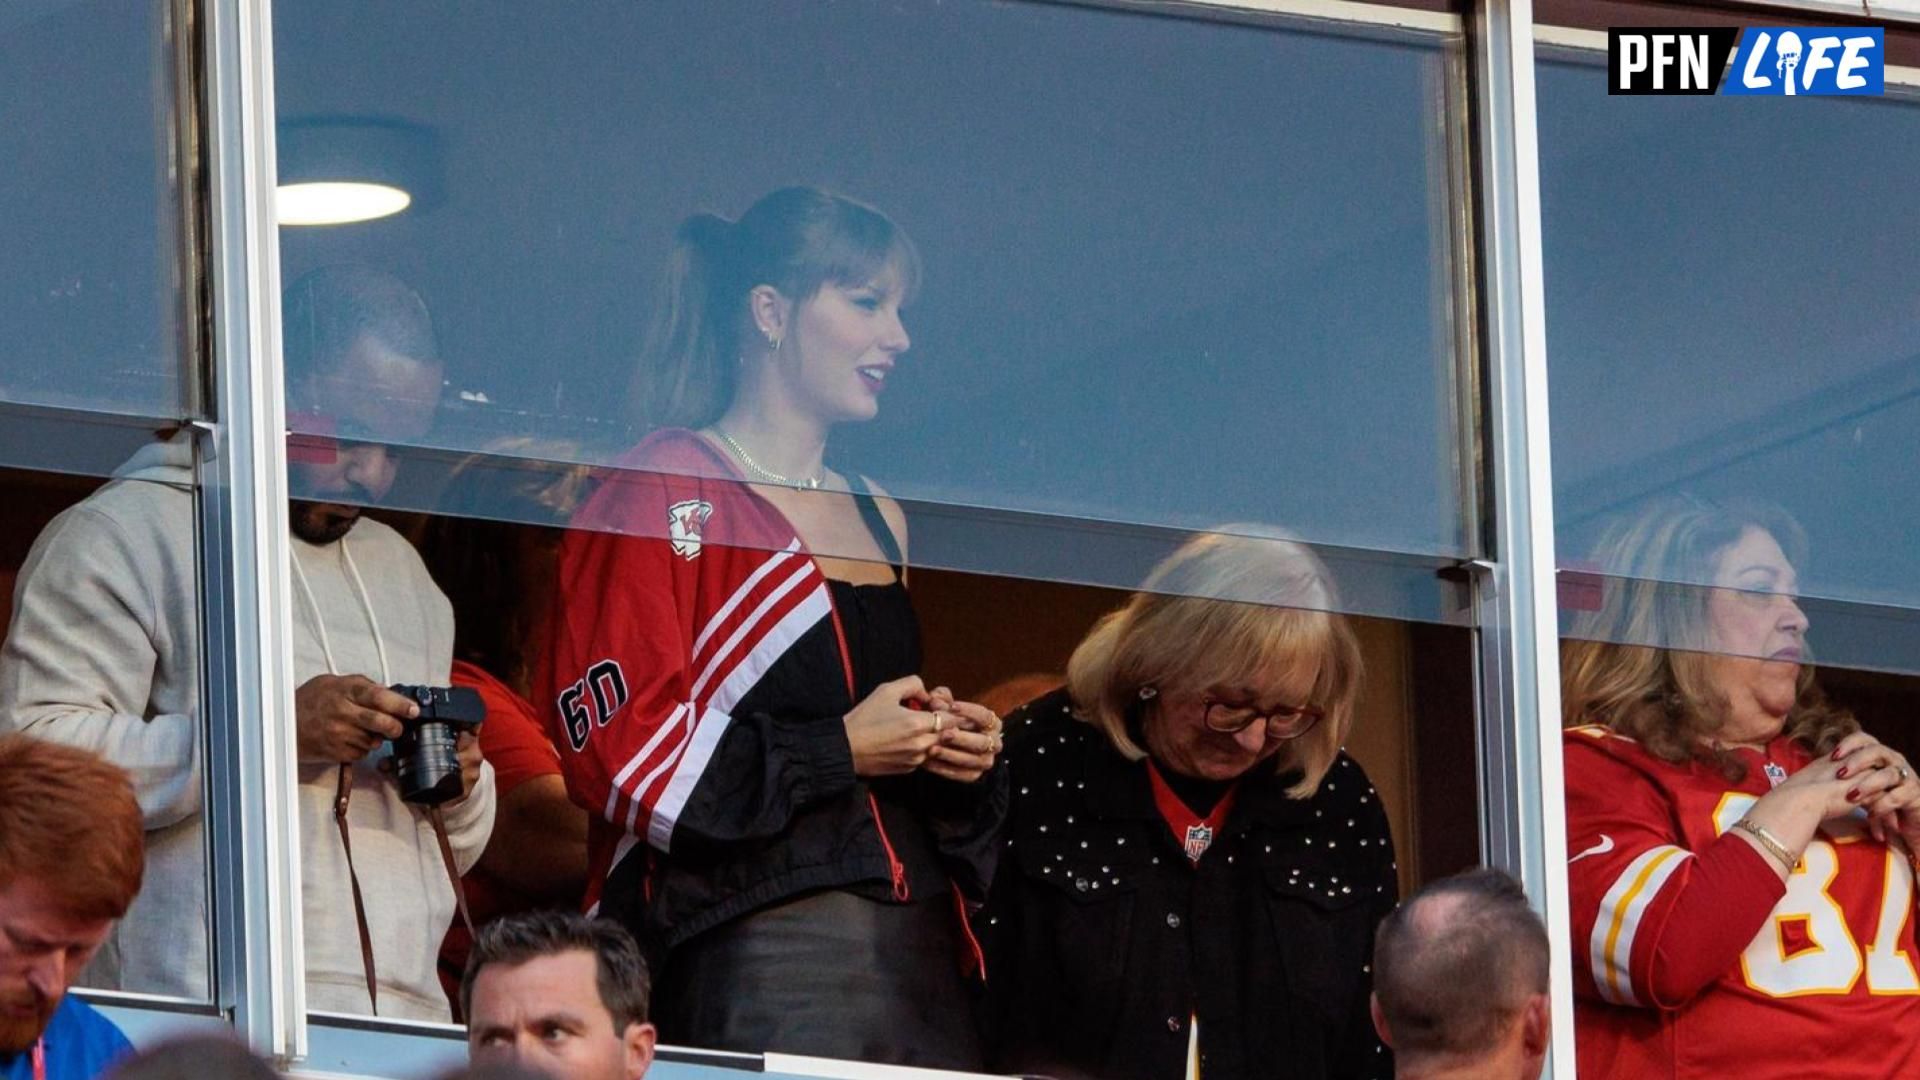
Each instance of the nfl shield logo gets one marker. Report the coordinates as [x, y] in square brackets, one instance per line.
[1199, 838]
[1775, 774]
[684, 522]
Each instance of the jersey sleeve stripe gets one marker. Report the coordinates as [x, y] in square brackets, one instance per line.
[706, 736]
[749, 625]
[808, 610]
[1618, 921]
[649, 784]
[740, 594]
[666, 730]
[715, 718]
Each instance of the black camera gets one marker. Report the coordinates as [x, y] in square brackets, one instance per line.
[423, 756]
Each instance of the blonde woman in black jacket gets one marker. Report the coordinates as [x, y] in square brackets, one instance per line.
[1193, 869]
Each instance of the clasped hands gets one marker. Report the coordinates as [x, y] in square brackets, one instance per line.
[1861, 773]
[903, 726]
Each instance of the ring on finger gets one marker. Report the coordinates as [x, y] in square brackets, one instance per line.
[1903, 773]
[938, 722]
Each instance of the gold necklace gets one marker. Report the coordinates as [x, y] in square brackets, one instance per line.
[807, 483]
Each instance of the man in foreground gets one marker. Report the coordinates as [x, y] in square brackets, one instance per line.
[558, 993]
[70, 862]
[1460, 981]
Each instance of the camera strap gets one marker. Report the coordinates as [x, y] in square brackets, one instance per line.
[343, 793]
[453, 871]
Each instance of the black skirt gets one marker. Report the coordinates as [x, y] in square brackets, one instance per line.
[833, 974]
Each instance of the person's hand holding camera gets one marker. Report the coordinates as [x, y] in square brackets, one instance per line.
[466, 747]
[342, 718]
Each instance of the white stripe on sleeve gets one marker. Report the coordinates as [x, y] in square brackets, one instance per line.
[671, 727]
[740, 594]
[1618, 921]
[752, 623]
[715, 719]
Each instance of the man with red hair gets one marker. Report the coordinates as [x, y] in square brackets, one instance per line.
[71, 857]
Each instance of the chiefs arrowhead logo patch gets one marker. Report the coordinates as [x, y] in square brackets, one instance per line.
[685, 520]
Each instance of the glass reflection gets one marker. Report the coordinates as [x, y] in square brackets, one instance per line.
[1181, 307]
[379, 861]
[1724, 320]
[90, 285]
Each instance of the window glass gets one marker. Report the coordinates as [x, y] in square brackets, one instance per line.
[1729, 317]
[1146, 292]
[569, 634]
[90, 287]
[1154, 293]
[98, 557]
[1728, 321]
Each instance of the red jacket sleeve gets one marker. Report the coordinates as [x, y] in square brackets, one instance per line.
[1654, 923]
[651, 648]
[513, 739]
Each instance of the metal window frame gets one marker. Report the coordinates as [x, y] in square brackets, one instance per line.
[1523, 825]
[253, 808]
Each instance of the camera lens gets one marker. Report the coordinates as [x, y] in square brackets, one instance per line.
[430, 773]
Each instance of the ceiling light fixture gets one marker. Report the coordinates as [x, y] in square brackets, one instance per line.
[335, 170]
[338, 202]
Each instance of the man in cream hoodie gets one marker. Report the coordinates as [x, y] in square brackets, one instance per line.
[103, 653]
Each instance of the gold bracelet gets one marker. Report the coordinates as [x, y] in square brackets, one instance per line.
[1769, 841]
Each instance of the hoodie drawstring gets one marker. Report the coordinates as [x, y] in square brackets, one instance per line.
[343, 788]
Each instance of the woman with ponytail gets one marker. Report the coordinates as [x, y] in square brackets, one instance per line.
[789, 817]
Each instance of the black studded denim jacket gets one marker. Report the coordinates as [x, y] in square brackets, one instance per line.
[1103, 941]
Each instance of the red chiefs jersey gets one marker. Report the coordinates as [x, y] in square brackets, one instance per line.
[1692, 960]
[678, 589]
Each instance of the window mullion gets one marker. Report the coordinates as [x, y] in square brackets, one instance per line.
[253, 815]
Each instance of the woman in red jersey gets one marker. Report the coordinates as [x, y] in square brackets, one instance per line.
[1742, 896]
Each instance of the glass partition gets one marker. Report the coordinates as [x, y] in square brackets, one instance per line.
[1733, 402]
[670, 342]
[90, 289]
[1187, 305]
[98, 577]
[1726, 325]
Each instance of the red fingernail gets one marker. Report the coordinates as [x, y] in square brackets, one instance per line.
[1842, 774]
[1854, 795]
[1836, 753]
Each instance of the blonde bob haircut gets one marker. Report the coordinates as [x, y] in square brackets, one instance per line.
[1224, 610]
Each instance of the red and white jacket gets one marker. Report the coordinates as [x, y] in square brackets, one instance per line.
[697, 681]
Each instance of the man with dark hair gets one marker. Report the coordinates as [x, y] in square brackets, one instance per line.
[560, 993]
[1460, 981]
[103, 654]
[71, 860]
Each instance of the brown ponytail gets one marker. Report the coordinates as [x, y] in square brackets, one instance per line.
[795, 239]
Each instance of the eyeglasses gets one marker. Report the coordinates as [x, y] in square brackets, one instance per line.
[1284, 722]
